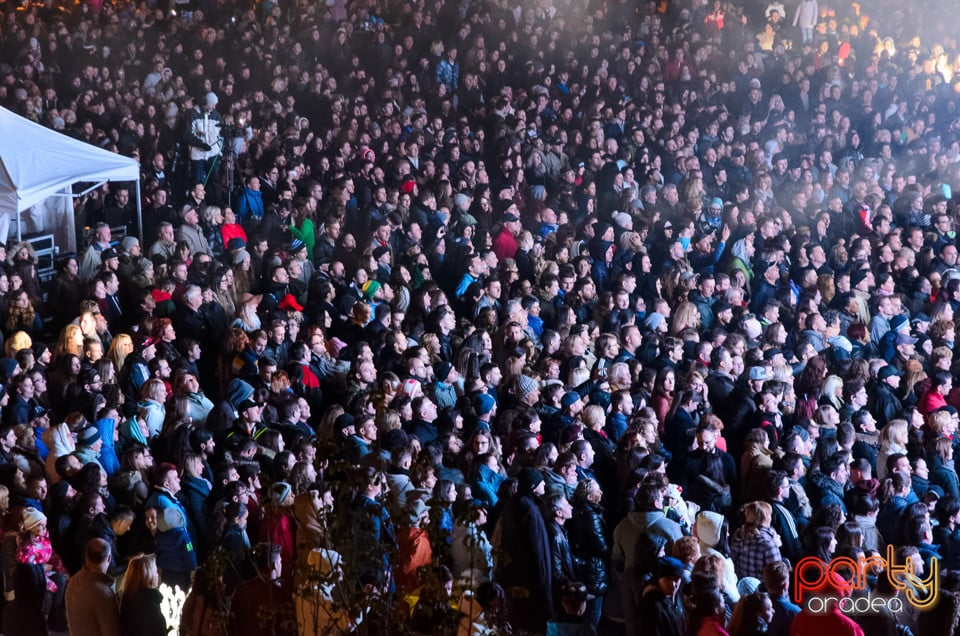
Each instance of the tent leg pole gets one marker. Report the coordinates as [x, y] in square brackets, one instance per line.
[139, 214]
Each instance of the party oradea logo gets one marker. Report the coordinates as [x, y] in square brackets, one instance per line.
[819, 586]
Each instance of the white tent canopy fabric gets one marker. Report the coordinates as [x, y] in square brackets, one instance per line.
[37, 163]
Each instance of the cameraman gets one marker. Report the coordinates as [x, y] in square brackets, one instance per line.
[205, 142]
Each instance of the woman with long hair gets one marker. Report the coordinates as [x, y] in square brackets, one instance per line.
[893, 441]
[66, 292]
[140, 598]
[245, 278]
[153, 396]
[222, 284]
[832, 392]
[685, 316]
[70, 341]
[663, 394]
[120, 348]
[752, 615]
[755, 543]
[808, 386]
[246, 317]
[21, 315]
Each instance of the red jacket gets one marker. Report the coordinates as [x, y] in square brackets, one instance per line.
[505, 245]
[831, 623]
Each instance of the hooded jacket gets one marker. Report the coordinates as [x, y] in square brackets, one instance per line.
[108, 454]
[60, 442]
[708, 528]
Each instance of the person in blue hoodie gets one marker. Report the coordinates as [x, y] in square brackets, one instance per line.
[250, 202]
[176, 556]
[107, 425]
[486, 479]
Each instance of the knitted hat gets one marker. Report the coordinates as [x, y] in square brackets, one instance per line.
[107, 254]
[443, 370]
[8, 368]
[236, 243]
[528, 480]
[708, 528]
[30, 518]
[526, 385]
[279, 493]
[128, 243]
[748, 585]
[898, 322]
[484, 403]
[240, 255]
[887, 372]
[370, 289]
[88, 436]
[296, 245]
[668, 567]
[211, 99]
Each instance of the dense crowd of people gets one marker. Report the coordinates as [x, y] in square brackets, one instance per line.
[473, 317]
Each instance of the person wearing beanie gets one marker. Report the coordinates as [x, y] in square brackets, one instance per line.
[710, 532]
[445, 389]
[89, 444]
[278, 523]
[486, 408]
[525, 572]
[661, 608]
[648, 518]
[528, 390]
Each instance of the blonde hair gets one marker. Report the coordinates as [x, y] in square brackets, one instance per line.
[120, 348]
[389, 421]
[593, 415]
[895, 432]
[756, 515]
[65, 344]
[16, 342]
[937, 421]
[153, 389]
[141, 574]
[685, 315]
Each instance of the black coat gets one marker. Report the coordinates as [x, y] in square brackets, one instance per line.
[588, 541]
[23, 616]
[659, 615]
[886, 405]
[561, 559]
[140, 614]
[526, 563]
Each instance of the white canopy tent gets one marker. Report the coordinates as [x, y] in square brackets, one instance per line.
[38, 168]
